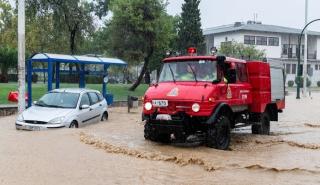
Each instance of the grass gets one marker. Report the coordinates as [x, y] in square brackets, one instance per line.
[119, 91]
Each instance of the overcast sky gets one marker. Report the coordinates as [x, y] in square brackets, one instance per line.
[288, 13]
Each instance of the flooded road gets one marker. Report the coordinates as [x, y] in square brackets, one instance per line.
[115, 152]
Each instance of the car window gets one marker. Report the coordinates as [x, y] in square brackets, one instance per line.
[94, 98]
[85, 100]
[100, 96]
[59, 100]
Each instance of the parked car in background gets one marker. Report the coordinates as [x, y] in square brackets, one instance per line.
[59, 108]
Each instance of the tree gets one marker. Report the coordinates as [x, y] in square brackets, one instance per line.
[8, 25]
[239, 50]
[167, 41]
[134, 30]
[190, 32]
[8, 59]
[73, 17]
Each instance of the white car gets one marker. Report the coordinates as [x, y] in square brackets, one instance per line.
[69, 108]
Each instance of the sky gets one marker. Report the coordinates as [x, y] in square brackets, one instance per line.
[289, 13]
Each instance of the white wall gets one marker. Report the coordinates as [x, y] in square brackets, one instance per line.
[237, 37]
[318, 48]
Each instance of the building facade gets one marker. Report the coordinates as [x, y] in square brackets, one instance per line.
[279, 43]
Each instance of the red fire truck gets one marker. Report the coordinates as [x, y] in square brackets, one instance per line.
[201, 98]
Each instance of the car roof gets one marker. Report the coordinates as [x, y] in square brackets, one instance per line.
[74, 90]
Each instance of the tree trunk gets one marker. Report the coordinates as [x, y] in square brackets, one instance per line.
[72, 41]
[147, 78]
[143, 71]
[4, 74]
[73, 46]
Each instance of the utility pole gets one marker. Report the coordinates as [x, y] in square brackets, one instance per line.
[21, 55]
[305, 52]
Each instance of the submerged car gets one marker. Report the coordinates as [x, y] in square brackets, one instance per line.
[71, 108]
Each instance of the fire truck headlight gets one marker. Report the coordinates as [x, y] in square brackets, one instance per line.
[195, 107]
[148, 106]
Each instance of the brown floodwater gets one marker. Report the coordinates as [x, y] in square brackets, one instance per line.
[115, 152]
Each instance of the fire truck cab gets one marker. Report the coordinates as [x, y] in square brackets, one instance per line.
[201, 98]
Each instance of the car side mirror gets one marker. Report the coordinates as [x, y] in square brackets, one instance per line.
[84, 107]
[232, 76]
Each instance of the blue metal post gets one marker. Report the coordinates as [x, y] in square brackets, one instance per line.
[82, 81]
[104, 85]
[29, 80]
[57, 75]
[50, 75]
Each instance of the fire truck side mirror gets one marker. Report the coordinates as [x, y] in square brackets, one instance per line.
[154, 83]
[221, 61]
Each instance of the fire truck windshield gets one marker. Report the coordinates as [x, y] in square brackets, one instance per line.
[200, 70]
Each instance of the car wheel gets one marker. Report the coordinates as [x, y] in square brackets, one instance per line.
[74, 124]
[105, 116]
[218, 134]
[263, 127]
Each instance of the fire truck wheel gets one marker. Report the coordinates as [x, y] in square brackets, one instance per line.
[262, 128]
[152, 135]
[149, 134]
[218, 134]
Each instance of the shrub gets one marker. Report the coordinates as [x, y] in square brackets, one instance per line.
[299, 80]
[290, 83]
[318, 83]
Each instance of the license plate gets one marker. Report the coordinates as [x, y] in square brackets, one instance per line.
[160, 103]
[165, 117]
[35, 128]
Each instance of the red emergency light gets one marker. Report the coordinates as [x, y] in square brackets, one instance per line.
[192, 51]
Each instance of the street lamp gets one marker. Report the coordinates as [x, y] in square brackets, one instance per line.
[299, 56]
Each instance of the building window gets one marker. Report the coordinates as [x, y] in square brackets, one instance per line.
[273, 41]
[288, 68]
[249, 39]
[261, 41]
[316, 67]
[285, 49]
[297, 50]
[294, 68]
[309, 70]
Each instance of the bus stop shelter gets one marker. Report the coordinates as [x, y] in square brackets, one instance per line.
[54, 62]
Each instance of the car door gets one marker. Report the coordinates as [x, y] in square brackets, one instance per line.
[85, 115]
[95, 106]
[102, 103]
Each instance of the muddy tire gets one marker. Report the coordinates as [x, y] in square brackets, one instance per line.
[218, 134]
[149, 133]
[74, 124]
[105, 116]
[263, 127]
[153, 135]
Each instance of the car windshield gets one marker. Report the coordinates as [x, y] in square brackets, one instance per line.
[59, 100]
[200, 70]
